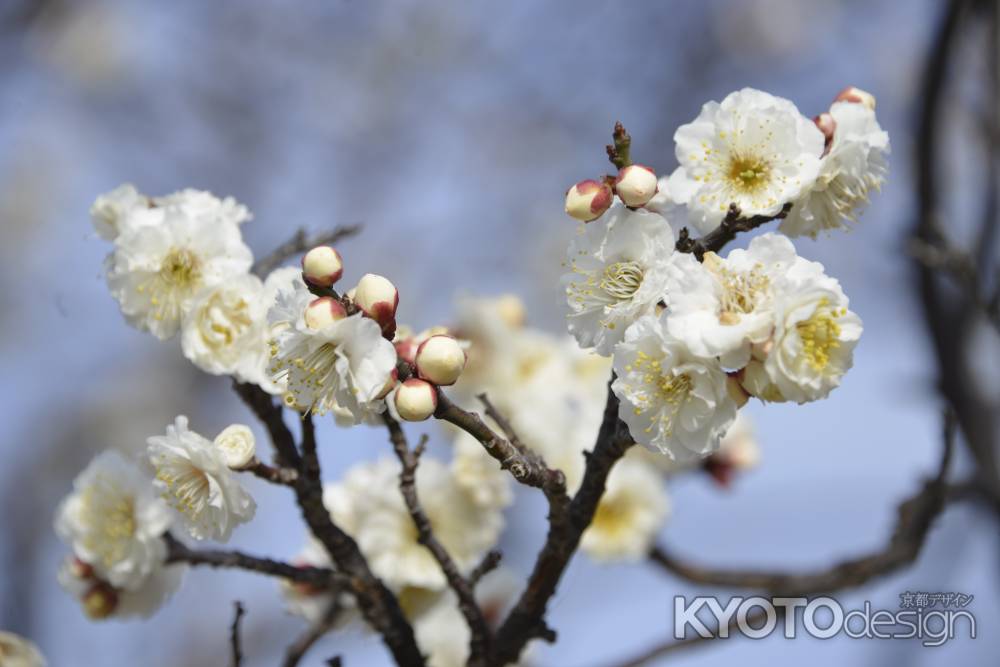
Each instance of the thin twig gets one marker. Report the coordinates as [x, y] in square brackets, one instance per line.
[298, 648]
[481, 637]
[727, 230]
[274, 474]
[320, 577]
[489, 563]
[300, 243]
[234, 634]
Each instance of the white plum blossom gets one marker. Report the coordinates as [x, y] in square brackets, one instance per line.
[722, 306]
[101, 601]
[111, 210]
[630, 514]
[16, 651]
[114, 522]
[237, 445]
[203, 205]
[346, 363]
[225, 331]
[368, 504]
[854, 165]
[156, 270]
[753, 149]
[814, 336]
[671, 399]
[193, 478]
[617, 273]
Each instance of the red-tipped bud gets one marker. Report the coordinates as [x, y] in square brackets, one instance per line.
[588, 200]
[856, 95]
[323, 311]
[406, 349]
[440, 359]
[322, 266]
[827, 125]
[636, 185]
[378, 299]
[100, 601]
[416, 400]
[80, 569]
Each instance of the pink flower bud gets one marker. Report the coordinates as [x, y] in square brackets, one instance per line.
[856, 95]
[323, 311]
[636, 184]
[827, 125]
[378, 299]
[416, 400]
[440, 359]
[80, 569]
[588, 200]
[322, 266]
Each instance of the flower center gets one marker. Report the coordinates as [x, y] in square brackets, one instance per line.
[112, 512]
[612, 516]
[621, 280]
[820, 334]
[748, 173]
[742, 291]
[180, 268]
[311, 375]
[668, 393]
[188, 488]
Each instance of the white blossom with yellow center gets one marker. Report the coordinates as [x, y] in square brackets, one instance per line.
[114, 522]
[344, 364]
[617, 272]
[722, 306]
[753, 149]
[368, 504]
[814, 337]
[854, 166]
[193, 478]
[630, 514]
[156, 270]
[672, 400]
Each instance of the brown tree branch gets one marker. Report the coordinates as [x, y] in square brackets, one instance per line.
[298, 648]
[234, 634]
[273, 474]
[727, 230]
[526, 619]
[320, 577]
[299, 243]
[377, 604]
[481, 637]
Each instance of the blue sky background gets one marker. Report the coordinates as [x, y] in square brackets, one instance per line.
[450, 130]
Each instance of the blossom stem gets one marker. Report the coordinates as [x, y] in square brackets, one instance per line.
[299, 243]
[731, 225]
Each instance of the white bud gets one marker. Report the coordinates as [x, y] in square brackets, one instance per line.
[588, 200]
[510, 308]
[415, 400]
[856, 95]
[378, 299]
[827, 125]
[323, 311]
[440, 359]
[322, 266]
[237, 445]
[636, 184]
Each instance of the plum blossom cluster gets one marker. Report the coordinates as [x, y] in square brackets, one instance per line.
[116, 519]
[693, 336]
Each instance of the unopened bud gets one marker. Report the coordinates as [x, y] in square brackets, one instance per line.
[827, 125]
[237, 445]
[416, 400]
[440, 359]
[856, 95]
[100, 601]
[323, 311]
[322, 266]
[378, 299]
[635, 184]
[80, 569]
[510, 308]
[588, 200]
[406, 349]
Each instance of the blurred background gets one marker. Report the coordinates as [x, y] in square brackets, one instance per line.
[451, 131]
